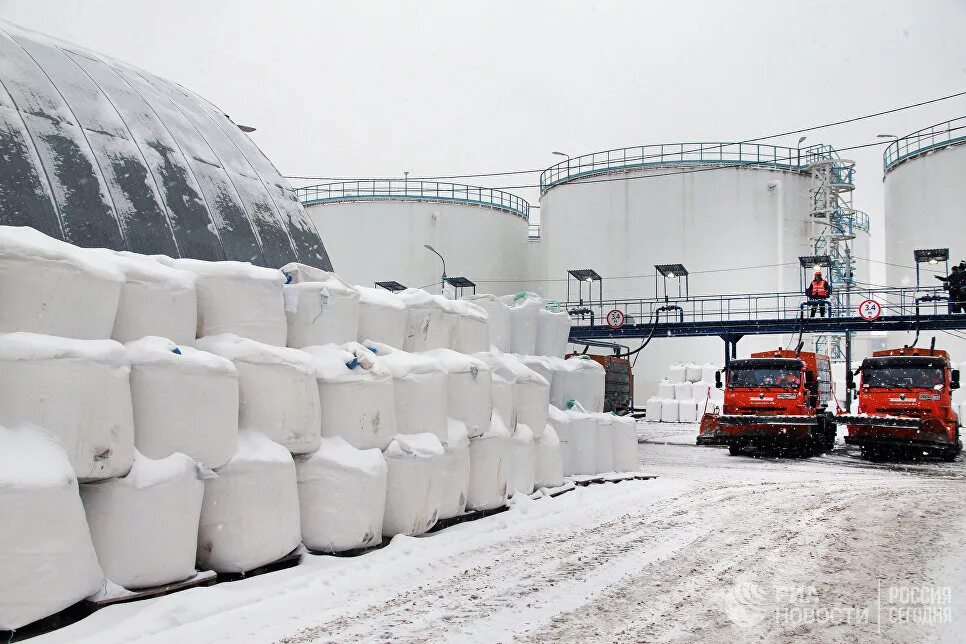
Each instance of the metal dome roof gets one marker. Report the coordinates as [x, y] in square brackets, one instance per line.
[101, 154]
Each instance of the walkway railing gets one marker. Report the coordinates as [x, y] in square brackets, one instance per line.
[403, 189]
[924, 140]
[664, 154]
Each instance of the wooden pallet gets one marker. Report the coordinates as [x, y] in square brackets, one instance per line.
[597, 479]
[290, 560]
[202, 578]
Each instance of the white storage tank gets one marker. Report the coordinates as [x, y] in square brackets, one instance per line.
[482, 232]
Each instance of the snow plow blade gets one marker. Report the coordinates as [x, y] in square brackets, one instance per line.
[735, 420]
[878, 421]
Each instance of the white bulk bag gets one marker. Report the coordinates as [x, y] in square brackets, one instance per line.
[683, 391]
[524, 461]
[51, 287]
[277, 391]
[625, 444]
[707, 372]
[701, 390]
[468, 389]
[250, 515]
[319, 307]
[382, 317]
[419, 386]
[549, 459]
[426, 326]
[455, 486]
[581, 443]
[503, 380]
[498, 320]
[553, 332]
[962, 412]
[524, 310]
[558, 380]
[472, 329]
[155, 299]
[145, 525]
[531, 396]
[342, 496]
[670, 410]
[687, 411]
[605, 442]
[490, 461]
[356, 396]
[560, 421]
[239, 298]
[451, 321]
[652, 409]
[414, 490]
[585, 383]
[542, 365]
[692, 372]
[665, 389]
[47, 560]
[78, 390]
[678, 373]
[185, 400]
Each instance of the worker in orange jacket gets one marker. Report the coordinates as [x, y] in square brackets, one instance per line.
[819, 291]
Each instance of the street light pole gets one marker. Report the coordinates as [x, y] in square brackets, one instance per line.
[442, 284]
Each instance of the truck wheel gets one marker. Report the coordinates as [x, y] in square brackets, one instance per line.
[871, 454]
[949, 455]
[734, 450]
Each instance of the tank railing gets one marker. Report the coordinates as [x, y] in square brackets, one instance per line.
[659, 154]
[768, 306]
[924, 140]
[398, 189]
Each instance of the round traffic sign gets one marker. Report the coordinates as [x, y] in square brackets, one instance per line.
[615, 318]
[870, 310]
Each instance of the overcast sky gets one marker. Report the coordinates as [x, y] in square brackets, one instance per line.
[447, 87]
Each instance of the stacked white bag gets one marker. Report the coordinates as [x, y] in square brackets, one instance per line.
[468, 390]
[419, 388]
[498, 320]
[277, 390]
[684, 395]
[414, 490]
[455, 486]
[382, 317]
[472, 329]
[185, 400]
[523, 469]
[342, 496]
[79, 390]
[428, 325]
[250, 514]
[549, 458]
[524, 312]
[606, 432]
[319, 307]
[584, 382]
[553, 331]
[145, 524]
[47, 560]
[579, 440]
[625, 444]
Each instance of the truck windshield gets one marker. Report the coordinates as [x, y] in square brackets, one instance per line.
[764, 377]
[902, 377]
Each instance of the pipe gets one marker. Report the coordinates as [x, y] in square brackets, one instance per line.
[778, 189]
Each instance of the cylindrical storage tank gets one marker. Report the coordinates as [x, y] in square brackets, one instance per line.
[398, 217]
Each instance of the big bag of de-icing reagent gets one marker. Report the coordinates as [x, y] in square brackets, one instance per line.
[581, 443]
[456, 471]
[419, 387]
[450, 322]
[468, 390]
[51, 287]
[319, 307]
[382, 317]
[356, 395]
[549, 460]
[427, 327]
[250, 514]
[543, 366]
[47, 560]
[559, 368]
[277, 390]
[553, 331]
[605, 442]
[472, 329]
[414, 491]
[498, 320]
[342, 496]
[185, 400]
[524, 311]
[503, 389]
[145, 525]
[560, 421]
[78, 390]
[524, 461]
[625, 444]
[239, 298]
[585, 383]
[531, 395]
[155, 299]
[490, 460]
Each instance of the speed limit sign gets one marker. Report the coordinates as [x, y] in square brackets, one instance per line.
[615, 318]
[870, 310]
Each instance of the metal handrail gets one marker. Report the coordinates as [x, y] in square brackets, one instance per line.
[664, 154]
[404, 189]
[921, 141]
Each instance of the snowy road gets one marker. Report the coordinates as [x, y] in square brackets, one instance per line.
[719, 548]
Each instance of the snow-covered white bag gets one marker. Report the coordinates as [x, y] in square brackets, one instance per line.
[683, 391]
[523, 469]
[679, 373]
[319, 307]
[652, 409]
[185, 400]
[356, 396]
[51, 287]
[581, 443]
[419, 385]
[559, 368]
[155, 299]
[342, 496]
[456, 471]
[532, 396]
[549, 457]
[605, 442]
[707, 373]
[560, 421]
[47, 560]
[543, 366]
[239, 298]
[145, 525]
[692, 372]
[524, 310]
[670, 411]
[78, 390]
[585, 383]
[490, 461]
[468, 389]
[687, 411]
[498, 320]
[472, 329]
[503, 380]
[428, 325]
[553, 331]
[414, 491]
[277, 390]
[665, 389]
[625, 444]
[250, 515]
[382, 317]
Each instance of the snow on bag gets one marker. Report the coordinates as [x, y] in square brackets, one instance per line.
[414, 490]
[498, 320]
[665, 389]
[687, 411]
[78, 390]
[145, 525]
[584, 383]
[549, 460]
[531, 396]
[382, 317]
[652, 409]
[670, 410]
[427, 327]
[561, 422]
[342, 496]
[524, 311]
[524, 462]
[155, 299]
[185, 400]
[277, 391]
[678, 374]
[683, 391]
[625, 444]
[419, 389]
[456, 471]
[58, 289]
[503, 380]
[581, 443]
[468, 390]
[490, 460]
[250, 514]
[319, 307]
[239, 298]
[356, 396]
[557, 379]
[47, 560]
[472, 329]
[542, 365]
[605, 442]
[707, 372]
[553, 331]
[692, 372]
[701, 390]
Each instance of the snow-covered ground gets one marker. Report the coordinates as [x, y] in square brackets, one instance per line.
[718, 548]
